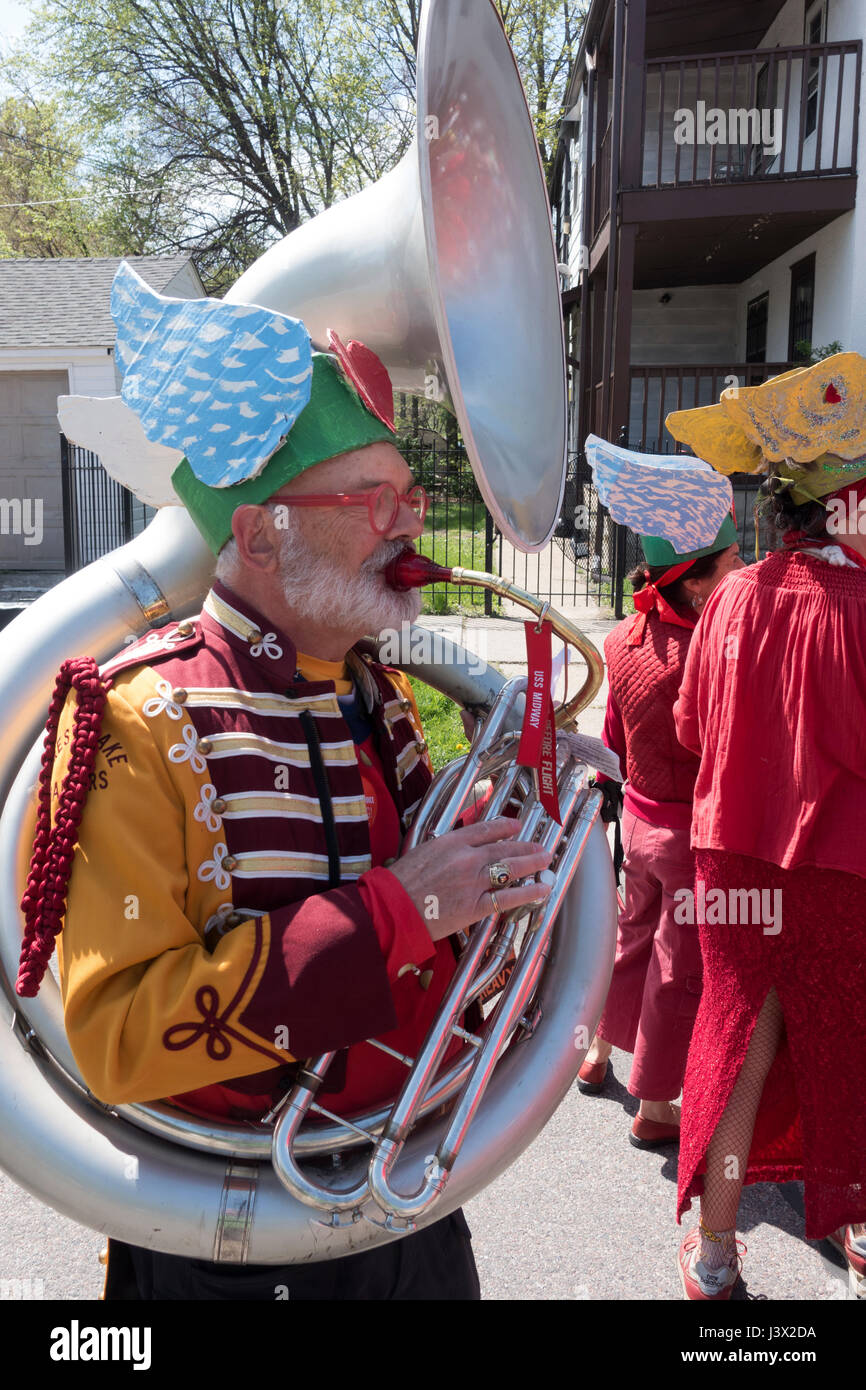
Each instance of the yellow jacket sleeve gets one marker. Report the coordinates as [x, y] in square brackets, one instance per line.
[150, 1011]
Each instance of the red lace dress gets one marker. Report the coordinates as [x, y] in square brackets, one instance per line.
[774, 699]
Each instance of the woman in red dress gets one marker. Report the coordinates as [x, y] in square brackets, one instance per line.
[774, 701]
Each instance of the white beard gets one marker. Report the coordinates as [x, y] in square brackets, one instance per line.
[328, 595]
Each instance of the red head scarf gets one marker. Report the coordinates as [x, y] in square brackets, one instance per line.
[649, 597]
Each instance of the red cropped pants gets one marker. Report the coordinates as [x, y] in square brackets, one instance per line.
[656, 986]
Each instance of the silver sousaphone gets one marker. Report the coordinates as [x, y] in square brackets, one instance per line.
[446, 268]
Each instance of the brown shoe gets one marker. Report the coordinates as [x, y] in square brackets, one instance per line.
[592, 1076]
[649, 1134]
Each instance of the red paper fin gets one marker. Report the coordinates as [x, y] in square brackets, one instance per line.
[368, 375]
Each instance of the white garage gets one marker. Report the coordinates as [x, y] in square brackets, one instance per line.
[57, 338]
[31, 513]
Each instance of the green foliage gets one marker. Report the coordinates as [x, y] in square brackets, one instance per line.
[217, 126]
[454, 535]
[255, 114]
[416, 418]
[44, 208]
[61, 202]
[440, 720]
[807, 356]
[544, 35]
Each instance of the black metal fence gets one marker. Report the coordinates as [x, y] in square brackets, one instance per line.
[586, 563]
[598, 550]
[459, 529]
[98, 513]
[602, 553]
[578, 567]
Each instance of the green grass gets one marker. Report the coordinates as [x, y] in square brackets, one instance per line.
[440, 720]
[462, 543]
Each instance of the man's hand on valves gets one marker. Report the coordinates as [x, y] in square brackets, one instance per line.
[462, 876]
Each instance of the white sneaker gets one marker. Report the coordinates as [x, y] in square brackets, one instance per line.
[700, 1282]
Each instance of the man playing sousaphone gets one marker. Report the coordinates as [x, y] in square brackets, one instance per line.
[221, 820]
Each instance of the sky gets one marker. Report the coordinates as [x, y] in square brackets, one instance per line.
[13, 18]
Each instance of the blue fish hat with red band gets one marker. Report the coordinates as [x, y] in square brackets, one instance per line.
[239, 394]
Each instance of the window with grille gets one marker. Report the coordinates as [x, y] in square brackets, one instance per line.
[802, 306]
[816, 32]
[757, 312]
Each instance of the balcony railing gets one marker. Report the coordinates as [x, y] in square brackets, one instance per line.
[600, 185]
[657, 390]
[775, 113]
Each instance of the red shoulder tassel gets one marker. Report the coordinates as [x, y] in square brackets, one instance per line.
[44, 901]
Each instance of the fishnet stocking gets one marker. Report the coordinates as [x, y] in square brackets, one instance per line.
[716, 1253]
[728, 1151]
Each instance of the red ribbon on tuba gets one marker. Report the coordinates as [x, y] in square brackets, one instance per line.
[538, 736]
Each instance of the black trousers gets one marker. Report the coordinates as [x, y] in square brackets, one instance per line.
[434, 1264]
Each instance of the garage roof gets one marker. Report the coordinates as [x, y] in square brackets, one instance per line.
[65, 302]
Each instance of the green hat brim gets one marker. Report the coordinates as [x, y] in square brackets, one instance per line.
[658, 551]
[334, 421]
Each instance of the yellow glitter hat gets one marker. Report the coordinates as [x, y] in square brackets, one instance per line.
[712, 435]
[798, 416]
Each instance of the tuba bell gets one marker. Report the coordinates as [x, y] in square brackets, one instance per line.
[424, 267]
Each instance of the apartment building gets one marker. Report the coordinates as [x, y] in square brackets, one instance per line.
[704, 196]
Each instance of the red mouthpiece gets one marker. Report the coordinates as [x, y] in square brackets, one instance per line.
[410, 571]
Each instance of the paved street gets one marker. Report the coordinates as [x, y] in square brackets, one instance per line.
[582, 1214]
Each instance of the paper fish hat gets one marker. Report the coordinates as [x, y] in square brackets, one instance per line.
[678, 505]
[807, 424]
[240, 394]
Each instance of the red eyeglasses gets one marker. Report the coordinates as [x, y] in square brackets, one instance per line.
[383, 503]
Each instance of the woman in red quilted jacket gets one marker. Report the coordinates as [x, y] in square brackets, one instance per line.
[656, 982]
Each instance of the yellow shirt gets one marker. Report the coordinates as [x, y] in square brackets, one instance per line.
[315, 668]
